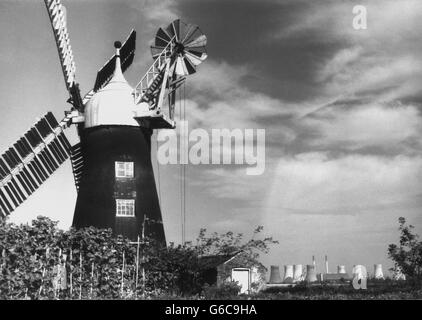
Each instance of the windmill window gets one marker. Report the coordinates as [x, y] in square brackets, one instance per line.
[124, 169]
[125, 207]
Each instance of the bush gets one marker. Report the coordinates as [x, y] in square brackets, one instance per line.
[227, 290]
[38, 257]
[39, 261]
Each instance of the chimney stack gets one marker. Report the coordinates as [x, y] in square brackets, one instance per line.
[275, 275]
[326, 264]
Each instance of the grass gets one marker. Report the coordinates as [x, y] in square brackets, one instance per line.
[376, 290]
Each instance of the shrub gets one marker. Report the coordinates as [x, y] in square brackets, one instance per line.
[227, 290]
[39, 261]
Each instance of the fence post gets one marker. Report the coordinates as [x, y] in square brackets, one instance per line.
[80, 274]
[123, 271]
[92, 277]
[71, 273]
[137, 269]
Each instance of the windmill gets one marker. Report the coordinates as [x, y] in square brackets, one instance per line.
[111, 163]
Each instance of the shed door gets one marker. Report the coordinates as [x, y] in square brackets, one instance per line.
[242, 276]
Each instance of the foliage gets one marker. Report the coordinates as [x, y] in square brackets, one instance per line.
[222, 244]
[31, 254]
[95, 264]
[407, 256]
[172, 270]
[228, 290]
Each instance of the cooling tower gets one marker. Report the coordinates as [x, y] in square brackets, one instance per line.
[310, 273]
[341, 269]
[378, 271]
[288, 273]
[275, 275]
[359, 272]
[298, 273]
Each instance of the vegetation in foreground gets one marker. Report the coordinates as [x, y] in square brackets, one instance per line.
[387, 289]
[39, 261]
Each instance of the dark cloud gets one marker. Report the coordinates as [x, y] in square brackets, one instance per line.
[243, 33]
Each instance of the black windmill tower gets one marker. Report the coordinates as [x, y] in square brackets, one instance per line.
[111, 164]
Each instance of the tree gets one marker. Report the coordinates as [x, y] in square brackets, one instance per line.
[229, 242]
[407, 256]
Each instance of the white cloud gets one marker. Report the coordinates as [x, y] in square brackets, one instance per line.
[232, 182]
[385, 56]
[371, 73]
[394, 21]
[372, 125]
[149, 16]
[155, 13]
[315, 184]
[339, 62]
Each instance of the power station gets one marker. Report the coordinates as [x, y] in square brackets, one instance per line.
[296, 273]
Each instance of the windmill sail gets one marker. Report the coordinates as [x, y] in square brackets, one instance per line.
[189, 42]
[127, 53]
[30, 161]
[57, 14]
[177, 51]
[76, 157]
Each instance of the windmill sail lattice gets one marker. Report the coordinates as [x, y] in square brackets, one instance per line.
[146, 88]
[30, 161]
[76, 157]
[57, 14]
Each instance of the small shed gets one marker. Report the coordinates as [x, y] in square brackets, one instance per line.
[238, 266]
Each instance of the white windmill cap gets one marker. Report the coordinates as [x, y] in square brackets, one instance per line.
[114, 104]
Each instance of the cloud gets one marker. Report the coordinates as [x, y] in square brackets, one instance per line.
[339, 62]
[233, 183]
[384, 57]
[378, 74]
[217, 98]
[148, 16]
[155, 13]
[374, 125]
[313, 183]
[392, 20]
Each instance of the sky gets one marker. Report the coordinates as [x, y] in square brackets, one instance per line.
[341, 109]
